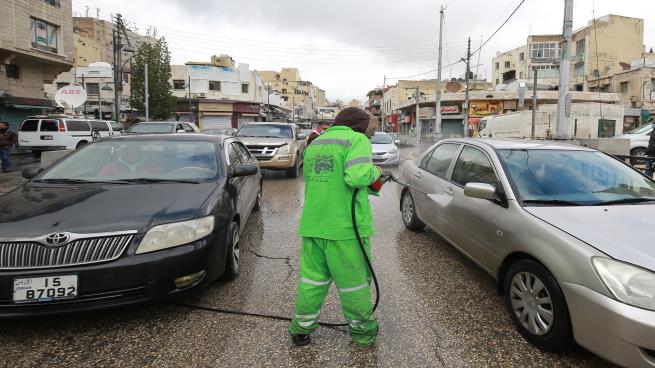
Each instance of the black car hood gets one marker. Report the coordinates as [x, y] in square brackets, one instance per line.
[36, 210]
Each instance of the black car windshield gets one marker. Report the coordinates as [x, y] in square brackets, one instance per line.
[151, 128]
[121, 160]
[379, 138]
[562, 177]
[265, 130]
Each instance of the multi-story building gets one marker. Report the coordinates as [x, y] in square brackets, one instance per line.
[221, 93]
[36, 44]
[303, 98]
[603, 48]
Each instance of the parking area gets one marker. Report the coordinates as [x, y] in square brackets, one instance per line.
[437, 309]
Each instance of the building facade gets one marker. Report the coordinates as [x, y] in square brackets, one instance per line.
[303, 98]
[36, 44]
[219, 94]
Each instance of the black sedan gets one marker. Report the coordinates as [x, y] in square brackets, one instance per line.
[126, 220]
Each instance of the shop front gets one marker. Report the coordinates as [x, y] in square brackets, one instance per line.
[479, 110]
[215, 115]
[15, 109]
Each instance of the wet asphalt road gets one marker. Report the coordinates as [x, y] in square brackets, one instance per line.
[438, 309]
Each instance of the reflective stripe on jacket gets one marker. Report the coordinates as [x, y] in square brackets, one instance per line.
[335, 164]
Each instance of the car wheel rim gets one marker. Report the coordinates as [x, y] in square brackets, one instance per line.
[408, 208]
[235, 249]
[532, 303]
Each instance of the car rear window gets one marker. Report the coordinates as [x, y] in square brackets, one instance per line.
[49, 126]
[99, 126]
[77, 126]
[29, 126]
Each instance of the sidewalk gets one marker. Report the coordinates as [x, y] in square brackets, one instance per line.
[9, 181]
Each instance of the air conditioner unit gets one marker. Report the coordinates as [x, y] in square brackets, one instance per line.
[202, 95]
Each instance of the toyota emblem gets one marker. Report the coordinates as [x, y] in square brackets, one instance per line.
[57, 239]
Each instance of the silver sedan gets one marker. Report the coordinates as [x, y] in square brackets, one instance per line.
[568, 233]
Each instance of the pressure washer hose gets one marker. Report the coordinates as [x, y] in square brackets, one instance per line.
[363, 249]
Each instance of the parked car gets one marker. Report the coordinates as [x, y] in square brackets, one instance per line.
[638, 140]
[385, 149]
[126, 220]
[45, 133]
[277, 146]
[160, 127]
[226, 131]
[565, 230]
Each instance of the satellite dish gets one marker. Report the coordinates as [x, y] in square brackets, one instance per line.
[70, 97]
[100, 64]
[453, 87]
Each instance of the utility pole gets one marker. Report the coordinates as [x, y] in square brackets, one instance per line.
[147, 94]
[293, 107]
[562, 124]
[117, 46]
[384, 108]
[468, 72]
[418, 121]
[437, 106]
[191, 117]
[534, 104]
[83, 86]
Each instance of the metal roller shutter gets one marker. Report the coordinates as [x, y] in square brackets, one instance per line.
[215, 122]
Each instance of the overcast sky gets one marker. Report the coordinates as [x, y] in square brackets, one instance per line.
[347, 46]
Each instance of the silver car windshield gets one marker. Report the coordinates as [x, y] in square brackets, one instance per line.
[381, 139]
[151, 128]
[108, 161]
[574, 177]
[265, 131]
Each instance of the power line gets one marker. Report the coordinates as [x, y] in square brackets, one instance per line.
[428, 72]
[499, 28]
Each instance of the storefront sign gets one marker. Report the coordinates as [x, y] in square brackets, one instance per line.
[452, 109]
[485, 108]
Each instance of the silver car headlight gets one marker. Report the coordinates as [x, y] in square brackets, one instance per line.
[175, 234]
[393, 151]
[630, 284]
[283, 150]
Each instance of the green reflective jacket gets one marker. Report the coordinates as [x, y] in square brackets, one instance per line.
[336, 163]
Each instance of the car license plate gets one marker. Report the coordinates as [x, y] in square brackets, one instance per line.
[378, 157]
[45, 289]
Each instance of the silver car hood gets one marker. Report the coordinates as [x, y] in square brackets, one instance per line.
[624, 232]
[259, 141]
[383, 148]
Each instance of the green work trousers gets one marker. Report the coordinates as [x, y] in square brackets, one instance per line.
[323, 261]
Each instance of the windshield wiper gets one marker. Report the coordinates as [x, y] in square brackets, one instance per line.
[76, 181]
[154, 180]
[626, 201]
[554, 202]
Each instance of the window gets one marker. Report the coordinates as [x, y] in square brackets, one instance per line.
[93, 88]
[179, 84]
[244, 88]
[243, 152]
[214, 85]
[440, 159]
[29, 126]
[284, 90]
[473, 166]
[497, 81]
[579, 69]
[234, 157]
[606, 128]
[49, 126]
[625, 88]
[44, 35]
[100, 126]
[508, 64]
[115, 126]
[497, 65]
[77, 126]
[187, 128]
[12, 71]
[580, 48]
[520, 75]
[61, 85]
[545, 50]
[522, 56]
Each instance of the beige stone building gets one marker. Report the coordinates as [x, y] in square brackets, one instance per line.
[36, 44]
[603, 48]
[303, 98]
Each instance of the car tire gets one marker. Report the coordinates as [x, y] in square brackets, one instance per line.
[639, 151]
[408, 211]
[233, 256]
[537, 306]
[81, 144]
[258, 202]
[293, 171]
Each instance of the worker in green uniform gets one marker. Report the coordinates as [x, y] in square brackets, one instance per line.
[336, 163]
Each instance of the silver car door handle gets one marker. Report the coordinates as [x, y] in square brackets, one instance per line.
[449, 192]
[418, 175]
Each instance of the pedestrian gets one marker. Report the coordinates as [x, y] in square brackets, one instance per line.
[7, 140]
[322, 127]
[650, 164]
[337, 163]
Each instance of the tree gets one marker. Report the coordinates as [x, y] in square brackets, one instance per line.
[161, 100]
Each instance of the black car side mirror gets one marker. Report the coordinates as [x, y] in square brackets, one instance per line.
[244, 170]
[30, 172]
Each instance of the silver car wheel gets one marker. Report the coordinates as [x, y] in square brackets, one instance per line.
[408, 208]
[532, 303]
[235, 250]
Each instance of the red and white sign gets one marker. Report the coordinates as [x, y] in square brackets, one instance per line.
[70, 96]
[452, 109]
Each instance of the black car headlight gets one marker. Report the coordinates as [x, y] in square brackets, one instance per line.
[175, 234]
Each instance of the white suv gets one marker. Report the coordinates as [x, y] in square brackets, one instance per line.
[57, 133]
